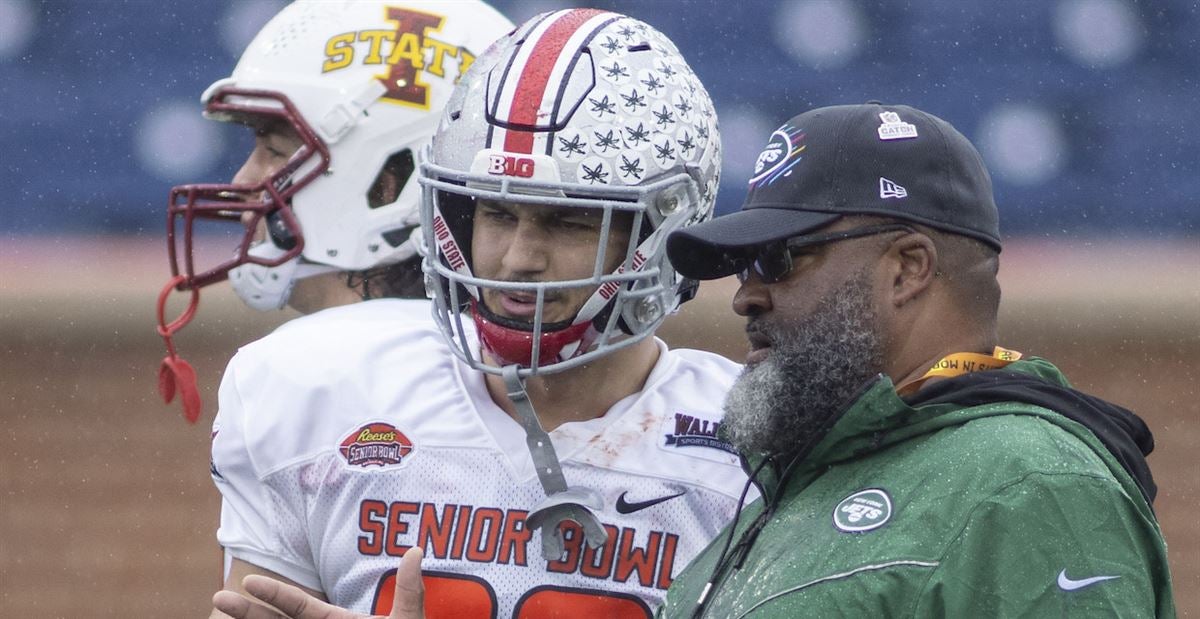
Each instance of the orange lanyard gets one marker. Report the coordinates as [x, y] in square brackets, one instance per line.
[961, 363]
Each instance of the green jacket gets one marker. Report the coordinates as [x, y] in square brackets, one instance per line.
[999, 509]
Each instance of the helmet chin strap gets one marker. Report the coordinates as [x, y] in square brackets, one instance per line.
[562, 503]
[174, 373]
[559, 341]
[510, 343]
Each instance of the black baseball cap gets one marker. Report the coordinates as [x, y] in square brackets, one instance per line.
[889, 160]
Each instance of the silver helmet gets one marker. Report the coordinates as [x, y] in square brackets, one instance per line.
[576, 108]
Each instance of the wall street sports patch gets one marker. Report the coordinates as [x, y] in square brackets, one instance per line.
[696, 436]
[376, 444]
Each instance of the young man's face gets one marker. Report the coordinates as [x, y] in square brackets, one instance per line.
[274, 143]
[533, 243]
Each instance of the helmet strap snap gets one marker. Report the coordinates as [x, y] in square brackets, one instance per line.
[562, 504]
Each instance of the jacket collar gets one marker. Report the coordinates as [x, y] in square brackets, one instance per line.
[875, 419]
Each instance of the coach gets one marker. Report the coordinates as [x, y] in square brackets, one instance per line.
[908, 465]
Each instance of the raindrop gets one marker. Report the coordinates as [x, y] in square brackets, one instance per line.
[173, 141]
[1097, 33]
[824, 34]
[18, 24]
[1023, 144]
[243, 20]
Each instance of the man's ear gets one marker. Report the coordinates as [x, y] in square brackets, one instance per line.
[385, 189]
[395, 173]
[914, 265]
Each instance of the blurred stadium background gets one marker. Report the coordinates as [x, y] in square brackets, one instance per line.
[1085, 111]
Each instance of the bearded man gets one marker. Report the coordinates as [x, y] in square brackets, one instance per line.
[908, 465]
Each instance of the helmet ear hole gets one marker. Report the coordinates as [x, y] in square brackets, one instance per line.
[392, 178]
[282, 235]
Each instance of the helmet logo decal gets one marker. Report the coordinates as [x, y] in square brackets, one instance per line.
[687, 145]
[572, 145]
[607, 139]
[663, 117]
[594, 170]
[447, 244]
[637, 137]
[777, 158]
[665, 154]
[632, 168]
[616, 72]
[507, 165]
[632, 101]
[602, 107]
[610, 288]
[409, 52]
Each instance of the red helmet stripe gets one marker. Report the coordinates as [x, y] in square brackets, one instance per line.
[531, 86]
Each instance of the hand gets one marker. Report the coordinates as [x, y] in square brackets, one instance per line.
[293, 603]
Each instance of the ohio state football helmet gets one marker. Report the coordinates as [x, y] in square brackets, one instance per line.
[362, 83]
[576, 108]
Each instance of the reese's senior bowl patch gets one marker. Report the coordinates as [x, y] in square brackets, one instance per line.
[376, 444]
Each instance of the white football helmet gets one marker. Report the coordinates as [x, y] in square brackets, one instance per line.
[575, 108]
[363, 83]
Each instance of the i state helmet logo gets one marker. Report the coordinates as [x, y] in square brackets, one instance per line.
[863, 511]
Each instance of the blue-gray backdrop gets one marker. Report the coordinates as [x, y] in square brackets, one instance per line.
[1086, 110]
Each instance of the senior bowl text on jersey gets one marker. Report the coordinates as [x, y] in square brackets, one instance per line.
[328, 492]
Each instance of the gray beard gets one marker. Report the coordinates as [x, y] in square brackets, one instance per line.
[815, 365]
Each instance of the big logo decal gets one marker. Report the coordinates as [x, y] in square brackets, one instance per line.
[376, 444]
[863, 511]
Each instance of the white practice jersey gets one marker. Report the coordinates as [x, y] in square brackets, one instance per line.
[350, 435]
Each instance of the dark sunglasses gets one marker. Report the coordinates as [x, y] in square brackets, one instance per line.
[773, 262]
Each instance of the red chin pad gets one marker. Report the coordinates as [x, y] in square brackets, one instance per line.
[175, 372]
[514, 346]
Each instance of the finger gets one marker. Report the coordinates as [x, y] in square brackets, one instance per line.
[410, 589]
[239, 607]
[292, 601]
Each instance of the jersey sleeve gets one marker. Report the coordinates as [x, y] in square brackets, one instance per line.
[1061, 545]
[255, 520]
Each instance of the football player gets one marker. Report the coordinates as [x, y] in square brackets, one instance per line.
[555, 459]
[341, 97]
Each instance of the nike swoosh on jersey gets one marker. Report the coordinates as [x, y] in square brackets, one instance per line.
[625, 507]
[1066, 584]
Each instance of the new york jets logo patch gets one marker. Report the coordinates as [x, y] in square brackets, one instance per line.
[863, 511]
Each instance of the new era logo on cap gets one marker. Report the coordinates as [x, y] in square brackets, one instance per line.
[889, 189]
